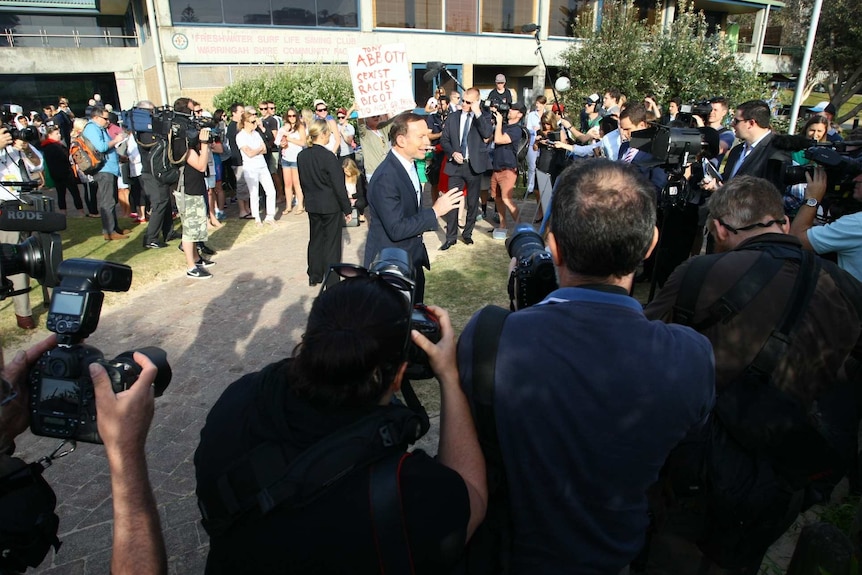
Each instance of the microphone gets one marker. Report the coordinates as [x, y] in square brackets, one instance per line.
[429, 76]
[529, 28]
[31, 221]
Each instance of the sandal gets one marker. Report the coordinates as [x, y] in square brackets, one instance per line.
[247, 217]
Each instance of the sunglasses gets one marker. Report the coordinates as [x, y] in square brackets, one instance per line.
[341, 117]
[198, 111]
[322, 109]
[291, 115]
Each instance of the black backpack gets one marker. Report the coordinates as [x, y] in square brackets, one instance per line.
[521, 150]
[753, 462]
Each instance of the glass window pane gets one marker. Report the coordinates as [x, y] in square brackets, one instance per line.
[461, 16]
[506, 16]
[563, 15]
[419, 14]
[338, 13]
[194, 11]
[293, 13]
[255, 12]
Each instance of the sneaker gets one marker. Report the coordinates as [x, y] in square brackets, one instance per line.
[198, 274]
[202, 263]
[480, 218]
[155, 245]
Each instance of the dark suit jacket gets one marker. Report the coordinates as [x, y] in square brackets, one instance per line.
[322, 181]
[480, 129]
[762, 162]
[654, 174]
[395, 219]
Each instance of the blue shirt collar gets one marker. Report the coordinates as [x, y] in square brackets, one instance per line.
[587, 295]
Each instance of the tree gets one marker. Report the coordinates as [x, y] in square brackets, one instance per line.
[296, 85]
[837, 50]
[685, 60]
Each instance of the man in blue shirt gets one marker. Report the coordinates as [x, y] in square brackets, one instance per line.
[843, 236]
[589, 395]
[96, 131]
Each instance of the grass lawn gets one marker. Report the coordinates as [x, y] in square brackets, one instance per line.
[83, 239]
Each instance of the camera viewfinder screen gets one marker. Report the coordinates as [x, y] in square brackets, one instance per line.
[60, 395]
[67, 303]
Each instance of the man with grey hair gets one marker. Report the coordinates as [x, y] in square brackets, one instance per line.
[786, 328]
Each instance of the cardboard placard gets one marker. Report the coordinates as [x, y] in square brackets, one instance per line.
[381, 80]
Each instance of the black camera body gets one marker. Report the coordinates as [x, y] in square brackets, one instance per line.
[62, 400]
[687, 112]
[396, 261]
[534, 275]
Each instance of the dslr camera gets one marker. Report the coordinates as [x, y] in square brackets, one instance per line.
[533, 276]
[62, 400]
[396, 262]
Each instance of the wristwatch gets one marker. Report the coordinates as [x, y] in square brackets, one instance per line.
[812, 202]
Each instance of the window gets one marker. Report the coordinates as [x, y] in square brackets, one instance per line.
[328, 13]
[461, 17]
[564, 13]
[67, 31]
[506, 16]
[419, 14]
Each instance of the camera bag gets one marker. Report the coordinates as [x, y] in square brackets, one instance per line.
[85, 157]
[29, 526]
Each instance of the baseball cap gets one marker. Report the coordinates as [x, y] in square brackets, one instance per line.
[520, 107]
[592, 99]
[318, 102]
[824, 107]
[499, 78]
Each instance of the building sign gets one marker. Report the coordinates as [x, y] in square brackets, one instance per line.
[252, 45]
[381, 79]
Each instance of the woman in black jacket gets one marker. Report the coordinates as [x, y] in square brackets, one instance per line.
[322, 181]
[56, 156]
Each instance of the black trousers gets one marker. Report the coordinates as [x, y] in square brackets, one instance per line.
[324, 245]
[160, 209]
[67, 185]
[464, 177]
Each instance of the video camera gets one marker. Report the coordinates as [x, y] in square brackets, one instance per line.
[835, 158]
[687, 112]
[165, 122]
[534, 275]
[62, 400]
[396, 261]
[502, 107]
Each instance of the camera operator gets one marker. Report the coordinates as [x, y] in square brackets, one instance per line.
[843, 236]
[784, 325]
[344, 373]
[124, 420]
[160, 223]
[17, 161]
[586, 410]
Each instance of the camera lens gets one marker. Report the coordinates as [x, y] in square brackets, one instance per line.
[524, 241]
[25, 257]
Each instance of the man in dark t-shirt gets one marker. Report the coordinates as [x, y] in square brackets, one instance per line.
[345, 374]
[507, 135]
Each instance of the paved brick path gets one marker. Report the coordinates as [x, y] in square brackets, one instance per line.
[251, 313]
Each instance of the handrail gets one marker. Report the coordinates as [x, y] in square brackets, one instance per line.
[109, 37]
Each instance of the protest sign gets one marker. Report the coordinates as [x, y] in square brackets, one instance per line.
[381, 80]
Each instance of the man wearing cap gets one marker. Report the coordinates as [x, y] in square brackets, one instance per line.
[828, 111]
[321, 112]
[500, 94]
[505, 162]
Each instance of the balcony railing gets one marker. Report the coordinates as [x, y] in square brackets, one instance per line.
[793, 51]
[42, 38]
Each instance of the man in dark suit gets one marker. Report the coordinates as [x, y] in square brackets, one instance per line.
[756, 155]
[396, 218]
[463, 140]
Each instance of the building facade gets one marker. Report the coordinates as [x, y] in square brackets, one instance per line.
[128, 50]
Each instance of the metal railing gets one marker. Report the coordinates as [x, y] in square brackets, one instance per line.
[771, 50]
[43, 39]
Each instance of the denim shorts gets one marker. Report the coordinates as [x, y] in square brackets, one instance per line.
[287, 163]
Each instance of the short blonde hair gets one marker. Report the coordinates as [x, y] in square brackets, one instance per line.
[317, 128]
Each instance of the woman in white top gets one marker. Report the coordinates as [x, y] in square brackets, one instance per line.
[254, 168]
[291, 139]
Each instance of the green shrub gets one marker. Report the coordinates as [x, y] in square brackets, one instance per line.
[293, 85]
